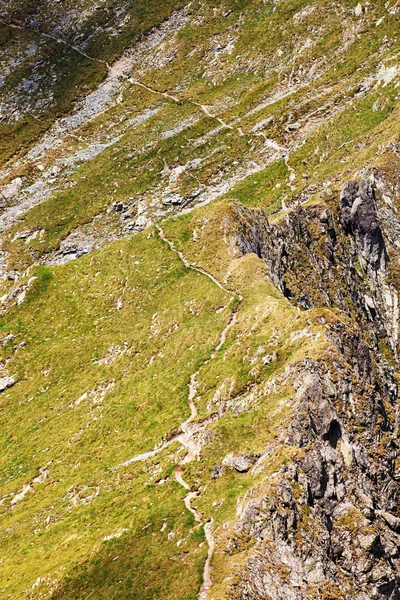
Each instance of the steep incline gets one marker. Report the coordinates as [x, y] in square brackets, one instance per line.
[199, 333]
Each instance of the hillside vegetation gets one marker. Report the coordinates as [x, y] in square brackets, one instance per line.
[199, 325]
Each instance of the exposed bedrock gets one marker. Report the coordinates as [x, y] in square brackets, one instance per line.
[335, 256]
[328, 526]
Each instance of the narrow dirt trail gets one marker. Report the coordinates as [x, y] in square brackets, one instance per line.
[203, 107]
[191, 266]
[154, 91]
[206, 110]
[55, 39]
[119, 68]
[188, 430]
[194, 450]
[207, 579]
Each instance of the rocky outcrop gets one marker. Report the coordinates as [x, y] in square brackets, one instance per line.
[361, 220]
[328, 525]
[342, 253]
[7, 382]
[7, 192]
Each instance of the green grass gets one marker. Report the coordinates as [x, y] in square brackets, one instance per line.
[105, 346]
[84, 416]
[68, 322]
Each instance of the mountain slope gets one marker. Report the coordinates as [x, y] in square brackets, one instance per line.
[200, 320]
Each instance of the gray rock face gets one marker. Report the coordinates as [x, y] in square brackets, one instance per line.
[345, 256]
[329, 523]
[361, 220]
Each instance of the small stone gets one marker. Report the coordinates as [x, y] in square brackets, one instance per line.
[269, 358]
[293, 126]
[368, 541]
[316, 575]
[241, 464]
[12, 275]
[216, 471]
[7, 192]
[118, 206]
[6, 382]
[391, 520]
[170, 198]
[21, 298]
[358, 10]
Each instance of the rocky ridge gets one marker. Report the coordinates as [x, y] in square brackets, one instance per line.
[200, 320]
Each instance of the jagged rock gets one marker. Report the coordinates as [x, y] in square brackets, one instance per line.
[391, 520]
[358, 10]
[119, 206]
[216, 471]
[171, 198]
[314, 245]
[12, 275]
[360, 218]
[339, 533]
[293, 126]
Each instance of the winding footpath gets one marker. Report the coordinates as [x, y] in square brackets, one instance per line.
[121, 66]
[14, 25]
[188, 430]
[193, 448]
[95, 104]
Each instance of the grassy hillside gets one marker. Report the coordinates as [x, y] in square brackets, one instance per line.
[146, 372]
[47, 71]
[244, 121]
[102, 353]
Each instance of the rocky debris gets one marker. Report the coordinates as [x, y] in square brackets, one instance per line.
[7, 192]
[82, 495]
[261, 354]
[17, 294]
[358, 10]
[293, 126]
[216, 471]
[43, 474]
[13, 275]
[95, 396]
[114, 352]
[119, 206]
[8, 338]
[328, 520]
[71, 249]
[172, 198]
[21, 495]
[84, 239]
